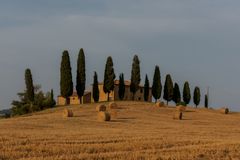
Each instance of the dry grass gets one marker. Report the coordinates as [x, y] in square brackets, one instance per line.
[141, 131]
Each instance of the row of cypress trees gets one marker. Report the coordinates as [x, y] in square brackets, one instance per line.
[171, 92]
[109, 77]
[66, 83]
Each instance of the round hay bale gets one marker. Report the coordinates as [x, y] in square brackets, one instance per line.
[113, 113]
[224, 110]
[160, 104]
[178, 115]
[67, 113]
[181, 108]
[113, 105]
[101, 108]
[104, 116]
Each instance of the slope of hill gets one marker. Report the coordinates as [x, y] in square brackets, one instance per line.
[138, 131]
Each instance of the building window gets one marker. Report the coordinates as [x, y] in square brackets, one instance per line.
[141, 90]
[139, 98]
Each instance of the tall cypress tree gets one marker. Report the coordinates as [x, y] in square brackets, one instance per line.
[156, 86]
[81, 75]
[135, 76]
[66, 84]
[206, 101]
[109, 77]
[95, 89]
[29, 85]
[186, 93]
[53, 102]
[121, 89]
[196, 96]
[168, 89]
[176, 94]
[146, 89]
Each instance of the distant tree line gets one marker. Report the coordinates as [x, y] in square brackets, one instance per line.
[33, 99]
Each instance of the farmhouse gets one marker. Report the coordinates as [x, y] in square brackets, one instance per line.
[139, 96]
[74, 99]
[87, 98]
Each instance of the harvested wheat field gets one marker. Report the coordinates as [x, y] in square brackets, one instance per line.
[139, 131]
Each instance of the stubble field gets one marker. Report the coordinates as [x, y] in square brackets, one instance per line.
[137, 131]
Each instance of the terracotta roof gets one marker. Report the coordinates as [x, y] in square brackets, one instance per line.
[75, 93]
[127, 82]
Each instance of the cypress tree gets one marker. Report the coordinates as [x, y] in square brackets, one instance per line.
[156, 86]
[109, 77]
[168, 89]
[206, 101]
[135, 76]
[146, 89]
[176, 94]
[66, 84]
[53, 102]
[196, 96]
[121, 89]
[29, 85]
[95, 89]
[81, 75]
[186, 93]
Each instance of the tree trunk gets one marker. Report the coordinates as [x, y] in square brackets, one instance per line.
[31, 107]
[80, 100]
[167, 103]
[133, 96]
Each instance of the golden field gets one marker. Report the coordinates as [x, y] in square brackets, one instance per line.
[137, 131]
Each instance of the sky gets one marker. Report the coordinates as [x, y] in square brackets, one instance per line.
[194, 41]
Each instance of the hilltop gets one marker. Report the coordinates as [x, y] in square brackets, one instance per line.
[138, 131]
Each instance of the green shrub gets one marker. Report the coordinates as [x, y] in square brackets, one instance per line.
[181, 104]
[41, 101]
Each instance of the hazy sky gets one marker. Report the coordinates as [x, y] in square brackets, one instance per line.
[194, 40]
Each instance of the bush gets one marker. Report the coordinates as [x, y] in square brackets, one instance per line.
[181, 104]
[41, 101]
[20, 109]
